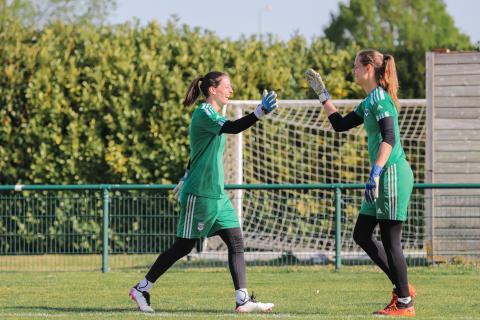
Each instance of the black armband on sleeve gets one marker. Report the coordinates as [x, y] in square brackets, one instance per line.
[387, 130]
[348, 122]
[239, 125]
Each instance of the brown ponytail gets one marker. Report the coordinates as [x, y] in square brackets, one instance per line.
[385, 71]
[211, 79]
[389, 79]
[193, 92]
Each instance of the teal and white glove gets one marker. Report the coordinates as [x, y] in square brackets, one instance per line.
[178, 188]
[371, 188]
[269, 103]
[315, 81]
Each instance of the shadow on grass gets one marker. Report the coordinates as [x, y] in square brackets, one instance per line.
[101, 310]
[79, 310]
[65, 309]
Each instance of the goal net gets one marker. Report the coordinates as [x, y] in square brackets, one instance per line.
[297, 145]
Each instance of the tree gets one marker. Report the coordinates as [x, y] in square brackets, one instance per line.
[420, 24]
[405, 28]
[37, 13]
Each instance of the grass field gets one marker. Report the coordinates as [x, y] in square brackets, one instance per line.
[445, 292]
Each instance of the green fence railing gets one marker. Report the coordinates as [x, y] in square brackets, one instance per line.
[69, 227]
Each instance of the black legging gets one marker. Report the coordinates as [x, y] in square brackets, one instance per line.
[236, 261]
[388, 257]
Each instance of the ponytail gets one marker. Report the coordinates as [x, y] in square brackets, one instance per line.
[389, 79]
[193, 92]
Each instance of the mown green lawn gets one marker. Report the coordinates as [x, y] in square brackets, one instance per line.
[298, 292]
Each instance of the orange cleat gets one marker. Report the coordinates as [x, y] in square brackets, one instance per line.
[411, 290]
[394, 311]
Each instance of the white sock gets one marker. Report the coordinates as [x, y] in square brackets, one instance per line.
[145, 285]
[242, 295]
[405, 300]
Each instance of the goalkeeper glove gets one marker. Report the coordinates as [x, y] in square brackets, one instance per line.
[269, 103]
[315, 81]
[178, 188]
[371, 188]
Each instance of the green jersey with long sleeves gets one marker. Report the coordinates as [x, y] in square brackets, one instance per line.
[376, 106]
[396, 180]
[206, 177]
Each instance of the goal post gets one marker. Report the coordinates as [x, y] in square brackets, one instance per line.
[296, 145]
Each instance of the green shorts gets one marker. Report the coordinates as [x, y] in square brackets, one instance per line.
[396, 185]
[201, 217]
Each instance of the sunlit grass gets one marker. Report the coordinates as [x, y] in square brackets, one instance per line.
[446, 292]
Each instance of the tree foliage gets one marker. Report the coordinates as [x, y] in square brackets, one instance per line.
[82, 103]
[404, 28]
[386, 24]
[38, 13]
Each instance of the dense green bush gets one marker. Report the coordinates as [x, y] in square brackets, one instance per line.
[102, 104]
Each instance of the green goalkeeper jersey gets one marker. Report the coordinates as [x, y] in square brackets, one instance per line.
[376, 106]
[205, 177]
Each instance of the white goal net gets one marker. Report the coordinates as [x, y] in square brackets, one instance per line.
[297, 145]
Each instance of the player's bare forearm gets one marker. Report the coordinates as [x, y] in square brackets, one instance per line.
[329, 107]
[383, 154]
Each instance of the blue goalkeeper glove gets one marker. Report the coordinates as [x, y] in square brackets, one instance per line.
[315, 81]
[269, 103]
[371, 188]
[178, 188]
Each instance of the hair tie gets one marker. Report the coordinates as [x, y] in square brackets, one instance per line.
[385, 59]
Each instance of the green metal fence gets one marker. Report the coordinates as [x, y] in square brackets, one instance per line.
[115, 227]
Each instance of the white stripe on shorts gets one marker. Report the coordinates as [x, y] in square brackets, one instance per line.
[187, 226]
[186, 216]
[192, 210]
[396, 191]
[392, 191]
[389, 186]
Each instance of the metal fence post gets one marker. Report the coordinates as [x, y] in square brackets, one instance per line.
[338, 228]
[106, 208]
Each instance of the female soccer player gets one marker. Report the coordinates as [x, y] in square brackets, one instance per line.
[205, 209]
[388, 189]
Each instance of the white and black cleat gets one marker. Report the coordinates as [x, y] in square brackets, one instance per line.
[142, 299]
[252, 305]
